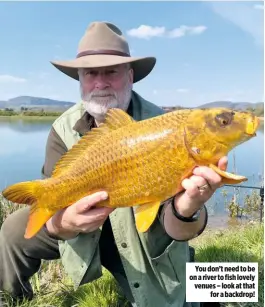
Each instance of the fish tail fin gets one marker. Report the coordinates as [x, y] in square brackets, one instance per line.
[30, 193]
[27, 192]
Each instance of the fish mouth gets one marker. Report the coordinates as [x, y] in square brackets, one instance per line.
[252, 126]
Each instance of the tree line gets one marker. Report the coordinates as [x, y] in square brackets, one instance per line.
[26, 112]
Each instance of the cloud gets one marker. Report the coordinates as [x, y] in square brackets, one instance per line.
[258, 7]
[243, 16]
[11, 79]
[147, 32]
[185, 30]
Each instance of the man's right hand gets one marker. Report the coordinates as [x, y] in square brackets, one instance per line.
[80, 217]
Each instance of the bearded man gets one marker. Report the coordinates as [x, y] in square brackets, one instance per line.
[150, 266]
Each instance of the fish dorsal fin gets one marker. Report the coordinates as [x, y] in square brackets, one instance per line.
[115, 119]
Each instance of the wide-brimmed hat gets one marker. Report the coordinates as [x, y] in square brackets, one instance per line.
[103, 44]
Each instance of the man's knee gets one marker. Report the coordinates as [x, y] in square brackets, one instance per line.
[13, 227]
[40, 246]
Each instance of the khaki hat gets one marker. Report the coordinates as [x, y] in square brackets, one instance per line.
[103, 44]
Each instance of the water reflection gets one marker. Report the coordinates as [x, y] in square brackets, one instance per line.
[25, 125]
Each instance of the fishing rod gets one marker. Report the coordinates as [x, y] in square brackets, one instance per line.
[243, 186]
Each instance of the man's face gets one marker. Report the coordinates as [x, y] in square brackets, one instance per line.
[105, 88]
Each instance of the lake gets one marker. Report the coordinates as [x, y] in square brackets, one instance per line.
[23, 144]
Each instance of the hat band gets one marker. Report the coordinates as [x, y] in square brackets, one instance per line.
[102, 51]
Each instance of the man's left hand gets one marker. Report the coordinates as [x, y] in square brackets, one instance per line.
[199, 188]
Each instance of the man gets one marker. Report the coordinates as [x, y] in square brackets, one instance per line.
[149, 266]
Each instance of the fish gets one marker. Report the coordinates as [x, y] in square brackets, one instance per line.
[139, 164]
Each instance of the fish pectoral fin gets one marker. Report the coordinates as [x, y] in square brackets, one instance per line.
[145, 215]
[38, 216]
[228, 178]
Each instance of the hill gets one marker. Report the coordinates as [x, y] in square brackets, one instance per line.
[257, 108]
[35, 103]
[45, 104]
[232, 105]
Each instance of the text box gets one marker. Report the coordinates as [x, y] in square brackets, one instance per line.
[222, 282]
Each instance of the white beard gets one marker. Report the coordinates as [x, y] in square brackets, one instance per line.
[98, 106]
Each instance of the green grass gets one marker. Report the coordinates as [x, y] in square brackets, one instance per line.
[52, 287]
[243, 243]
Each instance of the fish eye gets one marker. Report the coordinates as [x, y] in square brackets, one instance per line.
[224, 119]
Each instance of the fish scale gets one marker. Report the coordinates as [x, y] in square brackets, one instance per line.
[139, 164]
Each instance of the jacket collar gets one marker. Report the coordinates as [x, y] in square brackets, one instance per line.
[84, 124]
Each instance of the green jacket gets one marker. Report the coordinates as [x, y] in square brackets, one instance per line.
[154, 263]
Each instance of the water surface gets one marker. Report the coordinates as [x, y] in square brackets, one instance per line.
[23, 144]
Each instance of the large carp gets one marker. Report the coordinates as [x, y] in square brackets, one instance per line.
[138, 163]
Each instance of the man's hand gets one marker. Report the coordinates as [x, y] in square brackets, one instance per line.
[80, 217]
[199, 188]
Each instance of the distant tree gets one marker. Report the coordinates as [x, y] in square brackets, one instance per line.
[258, 111]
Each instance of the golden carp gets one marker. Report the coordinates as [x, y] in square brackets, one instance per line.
[138, 163]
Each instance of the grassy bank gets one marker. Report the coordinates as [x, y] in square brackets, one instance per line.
[28, 118]
[29, 114]
[53, 288]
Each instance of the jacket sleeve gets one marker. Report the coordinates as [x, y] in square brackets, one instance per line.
[55, 148]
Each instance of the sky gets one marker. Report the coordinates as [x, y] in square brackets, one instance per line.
[205, 51]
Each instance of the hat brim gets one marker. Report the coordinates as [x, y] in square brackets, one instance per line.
[141, 66]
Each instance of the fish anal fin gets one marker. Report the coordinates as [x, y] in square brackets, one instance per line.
[115, 119]
[38, 216]
[228, 178]
[145, 215]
